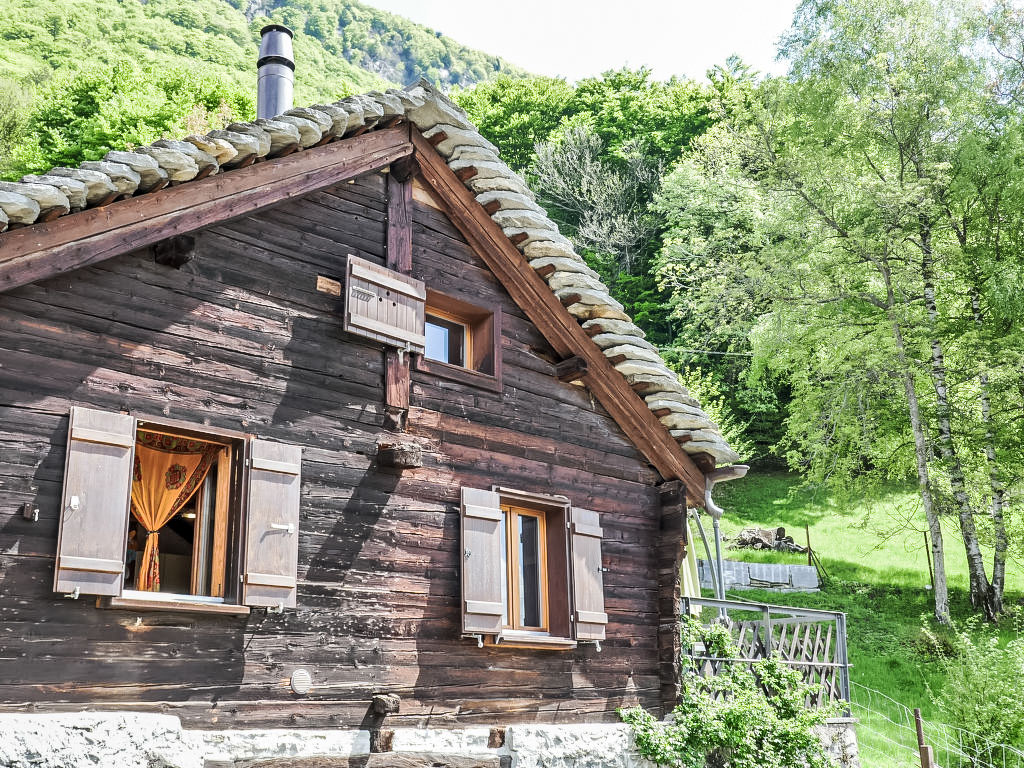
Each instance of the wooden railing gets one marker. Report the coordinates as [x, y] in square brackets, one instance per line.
[809, 641]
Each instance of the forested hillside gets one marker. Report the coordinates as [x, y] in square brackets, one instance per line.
[77, 76]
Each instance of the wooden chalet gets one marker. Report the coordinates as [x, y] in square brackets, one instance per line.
[319, 409]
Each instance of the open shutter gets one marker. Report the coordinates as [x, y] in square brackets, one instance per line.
[94, 505]
[483, 543]
[272, 525]
[587, 575]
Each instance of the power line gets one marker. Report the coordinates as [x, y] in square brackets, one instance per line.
[705, 351]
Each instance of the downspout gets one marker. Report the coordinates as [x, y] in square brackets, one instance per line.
[720, 475]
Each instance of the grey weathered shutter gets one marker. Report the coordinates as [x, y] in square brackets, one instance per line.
[94, 505]
[587, 575]
[482, 546]
[384, 305]
[270, 563]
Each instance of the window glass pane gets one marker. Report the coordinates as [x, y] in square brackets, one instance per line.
[529, 571]
[446, 341]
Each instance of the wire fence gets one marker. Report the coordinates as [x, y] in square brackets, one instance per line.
[887, 737]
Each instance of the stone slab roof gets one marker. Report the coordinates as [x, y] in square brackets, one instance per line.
[504, 194]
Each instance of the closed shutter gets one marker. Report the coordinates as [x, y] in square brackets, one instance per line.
[385, 305]
[587, 575]
[94, 505]
[270, 563]
[483, 544]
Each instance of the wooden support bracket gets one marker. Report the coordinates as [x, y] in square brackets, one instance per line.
[402, 455]
[572, 369]
[405, 169]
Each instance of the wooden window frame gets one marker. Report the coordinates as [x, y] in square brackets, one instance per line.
[556, 578]
[230, 490]
[512, 554]
[482, 343]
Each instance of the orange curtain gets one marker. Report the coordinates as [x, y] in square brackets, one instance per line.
[168, 471]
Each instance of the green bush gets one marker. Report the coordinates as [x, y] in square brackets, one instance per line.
[742, 718]
[981, 689]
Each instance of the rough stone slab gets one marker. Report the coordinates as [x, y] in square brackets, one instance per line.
[339, 118]
[523, 218]
[678, 394]
[249, 129]
[149, 170]
[649, 382]
[676, 407]
[391, 104]
[573, 746]
[354, 110]
[506, 199]
[633, 352]
[436, 109]
[95, 739]
[534, 235]
[49, 198]
[282, 135]
[178, 165]
[72, 189]
[721, 452]
[123, 176]
[650, 367]
[458, 137]
[244, 145]
[687, 421]
[373, 112]
[606, 340]
[589, 296]
[558, 280]
[309, 131]
[98, 186]
[563, 265]
[480, 184]
[560, 248]
[409, 100]
[205, 161]
[315, 115]
[227, 747]
[615, 327]
[589, 311]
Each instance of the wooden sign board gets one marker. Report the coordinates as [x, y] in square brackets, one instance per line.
[384, 305]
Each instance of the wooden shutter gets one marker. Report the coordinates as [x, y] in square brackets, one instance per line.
[384, 305]
[94, 505]
[482, 546]
[587, 575]
[270, 562]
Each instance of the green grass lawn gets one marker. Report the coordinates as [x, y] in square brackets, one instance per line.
[874, 553]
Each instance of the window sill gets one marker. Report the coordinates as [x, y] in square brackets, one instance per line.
[531, 640]
[174, 606]
[457, 373]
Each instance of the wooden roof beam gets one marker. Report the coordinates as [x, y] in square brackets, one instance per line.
[40, 251]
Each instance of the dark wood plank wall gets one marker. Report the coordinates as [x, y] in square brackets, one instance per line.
[239, 338]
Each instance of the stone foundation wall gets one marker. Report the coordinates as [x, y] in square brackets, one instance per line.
[125, 740]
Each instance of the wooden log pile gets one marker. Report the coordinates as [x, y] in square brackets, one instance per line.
[766, 538]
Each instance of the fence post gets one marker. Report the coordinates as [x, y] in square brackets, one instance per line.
[927, 755]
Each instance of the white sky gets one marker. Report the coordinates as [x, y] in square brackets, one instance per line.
[576, 38]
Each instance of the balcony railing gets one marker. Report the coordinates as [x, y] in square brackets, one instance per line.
[809, 641]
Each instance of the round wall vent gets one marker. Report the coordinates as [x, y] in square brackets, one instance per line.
[301, 681]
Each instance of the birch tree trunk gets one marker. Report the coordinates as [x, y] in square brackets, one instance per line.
[996, 486]
[979, 584]
[921, 456]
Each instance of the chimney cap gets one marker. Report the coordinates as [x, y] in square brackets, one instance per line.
[276, 28]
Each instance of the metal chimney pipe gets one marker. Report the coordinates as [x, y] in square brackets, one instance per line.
[276, 71]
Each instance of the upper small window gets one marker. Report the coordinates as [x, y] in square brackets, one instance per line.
[447, 340]
[462, 341]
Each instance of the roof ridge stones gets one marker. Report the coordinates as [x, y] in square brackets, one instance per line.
[502, 192]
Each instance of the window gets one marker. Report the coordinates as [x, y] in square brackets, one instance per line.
[462, 341]
[447, 340]
[532, 574]
[182, 517]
